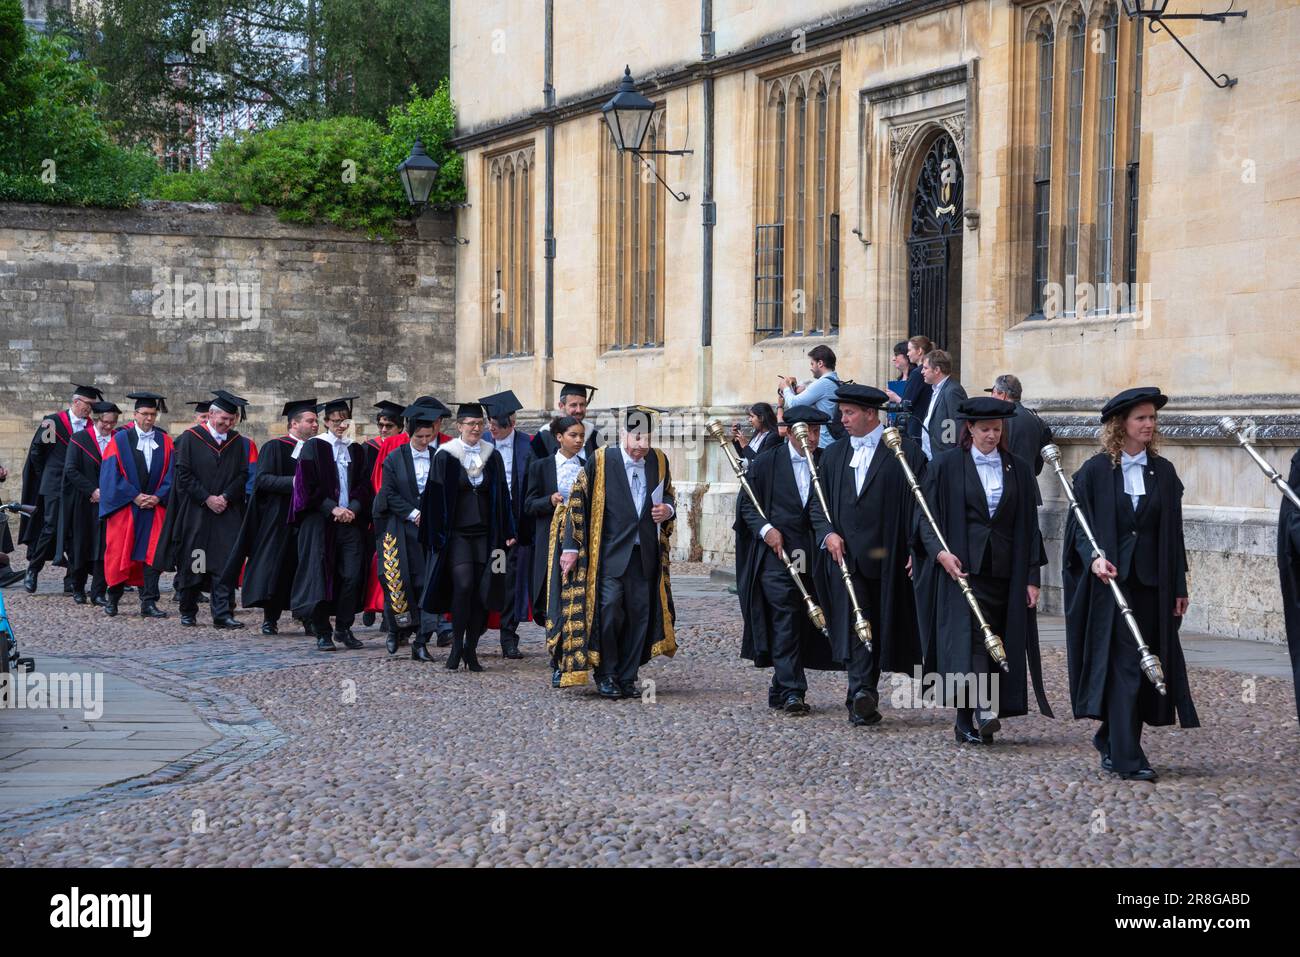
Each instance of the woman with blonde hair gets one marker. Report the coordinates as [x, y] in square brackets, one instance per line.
[1132, 498]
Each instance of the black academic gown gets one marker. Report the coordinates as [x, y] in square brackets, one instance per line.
[771, 476]
[398, 496]
[196, 542]
[1026, 434]
[952, 488]
[267, 551]
[880, 517]
[84, 536]
[1288, 562]
[43, 478]
[437, 526]
[316, 494]
[539, 512]
[1091, 614]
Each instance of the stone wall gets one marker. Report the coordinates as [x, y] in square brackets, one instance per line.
[186, 298]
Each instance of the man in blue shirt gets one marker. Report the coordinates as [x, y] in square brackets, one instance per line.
[820, 392]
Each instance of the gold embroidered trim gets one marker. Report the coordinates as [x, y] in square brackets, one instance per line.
[393, 575]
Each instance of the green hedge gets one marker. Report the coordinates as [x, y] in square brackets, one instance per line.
[341, 171]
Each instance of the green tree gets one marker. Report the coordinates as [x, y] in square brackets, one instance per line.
[374, 51]
[54, 146]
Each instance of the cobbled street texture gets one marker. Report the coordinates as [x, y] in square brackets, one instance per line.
[353, 758]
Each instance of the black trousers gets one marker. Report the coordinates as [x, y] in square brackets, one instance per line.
[94, 571]
[509, 620]
[864, 666]
[148, 591]
[348, 548]
[1120, 733]
[468, 558]
[223, 596]
[993, 597]
[624, 621]
[784, 606]
[42, 550]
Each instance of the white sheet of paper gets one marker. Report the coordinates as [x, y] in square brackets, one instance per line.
[657, 496]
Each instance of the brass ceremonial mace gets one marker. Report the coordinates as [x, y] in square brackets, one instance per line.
[1150, 663]
[1229, 426]
[714, 428]
[992, 643]
[861, 625]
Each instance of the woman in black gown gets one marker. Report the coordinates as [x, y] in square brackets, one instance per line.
[1132, 498]
[466, 524]
[984, 500]
[550, 480]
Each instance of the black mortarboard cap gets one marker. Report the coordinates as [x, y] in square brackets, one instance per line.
[202, 405]
[425, 413]
[88, 392]
[389, 410]
[341, 404]
[804, 413]
[984, 407]
[575, 388]
[469, 410]
[229, 402]
[297, 407]
[865, 396]
[1133, 397]
[99, 408]
[151, 400]
[640, 418]
[502, 405]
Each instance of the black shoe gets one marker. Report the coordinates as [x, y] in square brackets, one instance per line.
[68, 587]
[110, 609]
[176, 595]
[270, 628]
[348, 640]
[202, 599]
[556, 675]
[150, 609]
[368, 619]
[29, 581]
[444, 639]
[392, 644]
[189, 621]
[453, 659]
[325, 643]
[471, 656]
[1105, 763]
[79, 597]
[510, 647]
[988, 729]
[795, 705]
[860, 722]
[967, 737]
[1141, 774]
[628, 689]
[227, 621]
[99, 601]
[419, 651]
[607, 688]
[866, 706]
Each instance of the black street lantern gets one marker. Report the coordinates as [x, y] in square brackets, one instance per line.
[628, 115]
[1144, 8]
[418, 171]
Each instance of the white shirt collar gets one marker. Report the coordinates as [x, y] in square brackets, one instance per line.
[214, 433]
[794, 453]
[870, 440]
[560, 458]
[428, 450]
[628, 461]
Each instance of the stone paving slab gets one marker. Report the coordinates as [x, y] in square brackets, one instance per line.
[356, 758]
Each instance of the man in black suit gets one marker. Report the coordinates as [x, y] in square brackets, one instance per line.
[1026, 433]
[939, 430]
[633, 617]
[869, 529]
[516, 452]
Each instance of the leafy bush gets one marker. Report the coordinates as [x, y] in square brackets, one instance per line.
[341, 171]
[54, 148]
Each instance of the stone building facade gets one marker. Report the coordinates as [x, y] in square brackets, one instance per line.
[1046, 187]
[186, 298]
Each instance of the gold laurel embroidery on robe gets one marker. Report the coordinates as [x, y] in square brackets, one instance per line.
[393, 575]
[668, 645]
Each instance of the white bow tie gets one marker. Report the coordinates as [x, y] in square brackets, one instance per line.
[146, 438]
[861, 441]
[992, 458]
[862, 446]
[1128, 461]
[634, 464]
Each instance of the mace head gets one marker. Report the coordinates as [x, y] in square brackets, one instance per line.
[892, 438]
[1051, 453]
[1229, 425]
[714, 428]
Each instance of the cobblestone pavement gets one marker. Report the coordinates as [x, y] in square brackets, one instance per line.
[356, 758]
